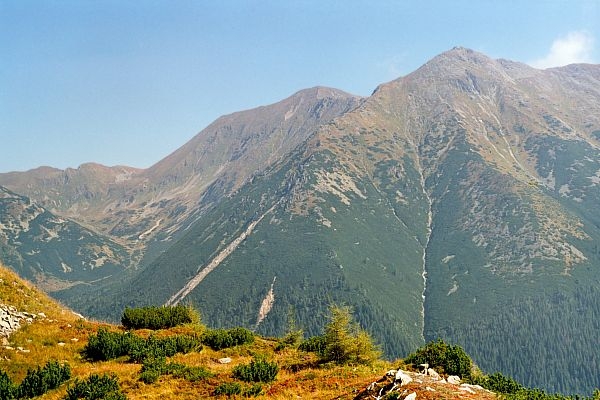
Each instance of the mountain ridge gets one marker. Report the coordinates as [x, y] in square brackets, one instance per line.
[467, 186]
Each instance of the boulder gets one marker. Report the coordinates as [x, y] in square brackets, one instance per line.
[402, 377]
[453, 379]
[225, 360]
[433, 374]
[466, 388]
[412, 396]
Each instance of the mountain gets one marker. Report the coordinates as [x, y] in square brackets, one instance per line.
[459, 201]
[53, 251]
[139, 205]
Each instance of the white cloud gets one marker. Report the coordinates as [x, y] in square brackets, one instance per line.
[575, 47]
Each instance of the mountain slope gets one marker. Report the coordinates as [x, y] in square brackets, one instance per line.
[55, 334]
[462, 148]
[54, 252]
[455, 202]
[137, 206]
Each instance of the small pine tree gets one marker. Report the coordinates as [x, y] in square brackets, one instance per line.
[345, 341]
[293, 336]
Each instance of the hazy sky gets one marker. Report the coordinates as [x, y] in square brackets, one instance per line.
[127, 82]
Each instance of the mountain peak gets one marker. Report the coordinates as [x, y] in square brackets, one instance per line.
[321, 92]
[459, 57]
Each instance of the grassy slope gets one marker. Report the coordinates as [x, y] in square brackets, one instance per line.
[61, 325]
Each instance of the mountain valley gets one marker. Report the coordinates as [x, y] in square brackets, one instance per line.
[457, 202]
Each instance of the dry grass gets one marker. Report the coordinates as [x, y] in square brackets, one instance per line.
[299, 377]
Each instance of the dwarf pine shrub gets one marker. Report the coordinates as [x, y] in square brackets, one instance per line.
[218, 339]
[499, 383]
[153, 368]
[106, 345]
[228, 389]
[38, 381]
[154, 318]
[259, 370]
[7, 387]
[314, 344]
[451, 359]
[96, 387]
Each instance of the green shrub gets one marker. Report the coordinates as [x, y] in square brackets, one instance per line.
[40, 380]
[259, 370]
[314, 344]
[443, 357]
[228, 389]
[188, 343]
[149, 376]
[158, 317]
[219, 339]
[253, 391]
[106, 345]
[7, 387]
[500, 384]
[241, 336]
[154, 347]
[191, 374]
[153, 368]
[96, 387]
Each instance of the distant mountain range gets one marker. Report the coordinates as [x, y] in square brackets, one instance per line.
[459, 201]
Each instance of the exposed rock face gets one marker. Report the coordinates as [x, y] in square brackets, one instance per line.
[11, 320]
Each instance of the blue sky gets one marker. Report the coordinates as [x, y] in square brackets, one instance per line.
[128, 82]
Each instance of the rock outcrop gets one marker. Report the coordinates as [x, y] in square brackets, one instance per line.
[11, 320]
[422, 384]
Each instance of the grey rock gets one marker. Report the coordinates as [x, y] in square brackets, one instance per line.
[402, 377]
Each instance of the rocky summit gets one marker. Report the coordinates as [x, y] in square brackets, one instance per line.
[457, 202]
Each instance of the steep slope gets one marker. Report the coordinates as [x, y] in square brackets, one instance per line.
[492, 135]
[48, 332]
[52, 251]
[447, 205]
[136, 206]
